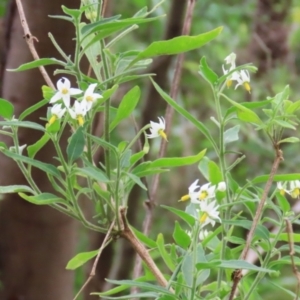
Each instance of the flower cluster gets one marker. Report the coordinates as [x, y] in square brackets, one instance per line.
[294, 188]
[242, 77]
[80, 108]
[205, 198]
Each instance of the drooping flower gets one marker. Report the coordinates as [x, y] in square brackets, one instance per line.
[56, 113]
[78, 112]
[243, 79]
[230, 60]
[192, 190]
[203, 234]
[157, 129]
[208, 213]
[20, 149]
[90, 97]
[294, 188]
[64, 91]
[281, 186]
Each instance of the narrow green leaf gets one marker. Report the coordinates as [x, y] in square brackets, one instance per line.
[279, 177]
[242, 264]
[181, 237]
[75, 13]
[177, 45]
[32, 150]
[291, 139]
[284, 237]
[284, 124]
[231, 134]
[137, 180]
[245, 114]
[6, 109]
[200, 126]
[33, 108]
[42, 199]
[80, 259]
[181, 214]
[207, 73]
[215, 174]
[37, 63]
[92, 172]
[25, 124]
[144, 239]
[148, 295]
[126, 106]
[283, 203]
[164, 254]
[170, 162]
[76, 145]
[47, 168]
[15, 189]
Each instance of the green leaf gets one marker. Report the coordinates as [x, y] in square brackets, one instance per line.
[144, 239]
[207, 73]
[190, 220]
[80, 259]
[231, 134]
[291, 139]
[170, 162]
[137, 180]
[6, 109]
[47, 168]
[33, 108]
[245, 114]
[126, 106]
[76, 145]
[33, 149]
[283, 203]
[181, 237]
[200, 126]
[215, 175]
[75, 13]
[15, 189]
[148, 295]
[278, 177]
[177, 45]
[25, 124]
[164, 254]
[91, 172]
[284, 237]
[37, 63]
[42, 199]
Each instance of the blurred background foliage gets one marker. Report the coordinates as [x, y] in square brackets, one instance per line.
[239, 20]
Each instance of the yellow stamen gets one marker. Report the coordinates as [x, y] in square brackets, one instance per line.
[52, 119]
[80, 120]
[229, 83]
[282, 192]
[247, 87]
[162, 134]
[64, 91]
[203, 217]
[295, 193]
[89, 98]
[203, 195]
[185, 198]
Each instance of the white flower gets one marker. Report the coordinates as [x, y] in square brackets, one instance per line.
[190, 196]
[208, 213]
[78, 112]
[20, 149]
[203, 234]
[230, 60]
[221, 186]
[243, 79]
[90, 97]
[157, 129]
[281, 186]
[294, 188]
[207, 191]
[64, 91]
[56, 113]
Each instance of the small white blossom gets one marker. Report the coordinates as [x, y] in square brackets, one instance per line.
[203, 234]
[281, 186]
[294, 188]
[221, 186]
[20, 149]
[208, 213]
[243, 79]
[64, 91]
[56, 113]
[192, 190]
[78, 112]
[230, 60]
[157, 129]
[90, 97]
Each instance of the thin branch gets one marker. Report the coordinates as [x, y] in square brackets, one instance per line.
[237, 275]
[105, 242]
[30, 42]
[128, 234]
[289, 230]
